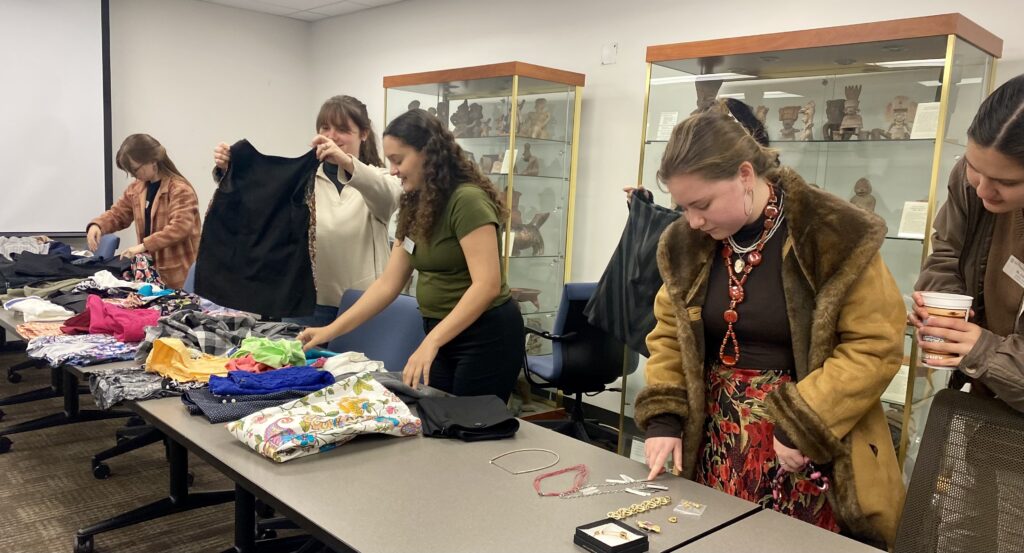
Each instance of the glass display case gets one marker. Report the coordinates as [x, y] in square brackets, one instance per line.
[520, 124]
[874, 113]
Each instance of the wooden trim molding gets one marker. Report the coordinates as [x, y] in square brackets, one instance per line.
[506, 69]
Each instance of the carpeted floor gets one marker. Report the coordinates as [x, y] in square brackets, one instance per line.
[47, 490]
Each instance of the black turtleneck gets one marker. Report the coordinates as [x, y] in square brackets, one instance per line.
[331, 170]
[763, 326]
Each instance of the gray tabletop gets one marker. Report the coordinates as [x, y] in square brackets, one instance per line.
[771, 532]
[386, 494]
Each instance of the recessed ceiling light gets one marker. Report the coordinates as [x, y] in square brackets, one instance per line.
[937, 62]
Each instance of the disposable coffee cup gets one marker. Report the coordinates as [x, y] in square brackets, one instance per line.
[941, 304]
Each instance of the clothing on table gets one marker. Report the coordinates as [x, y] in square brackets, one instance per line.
[220, 409]
[105, 280]
[28, 268]
[737, 455]
[171, 358]
[151, 189]
[326, 419]
[87, 349]
[127, 325]
[174, 239]
[74, 302]
[962, 243]
[351, 362]
[273, 352]
[43, 289]
[35, 330]
[483, 359]
[35, 309]
[150, 291]
[289, 378]
[623, 303]
[247, 364]
[112, 386]
[19, 244]
[351, 247]
[256, 236]
[443, 271]
[143, 271]
[213, 333]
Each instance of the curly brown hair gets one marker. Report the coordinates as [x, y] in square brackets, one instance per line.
[445, 167]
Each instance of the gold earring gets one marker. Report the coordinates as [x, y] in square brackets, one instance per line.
[748, 204]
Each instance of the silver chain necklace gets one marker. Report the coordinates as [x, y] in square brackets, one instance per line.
[644, 489]
[736, 248]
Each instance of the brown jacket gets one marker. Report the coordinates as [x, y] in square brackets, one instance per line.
[960, 246]
[847, 320]
[174, 238]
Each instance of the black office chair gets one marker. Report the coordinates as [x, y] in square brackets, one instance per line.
[584, 360]
[967, 490]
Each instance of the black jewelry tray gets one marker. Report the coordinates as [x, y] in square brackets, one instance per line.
[595, 545]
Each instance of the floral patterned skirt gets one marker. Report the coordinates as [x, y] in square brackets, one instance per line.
[737, 455]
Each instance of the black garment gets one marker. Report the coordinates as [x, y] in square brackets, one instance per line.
[151, 189]
[763, 327]
[484, 359]
[254, 251]
[623, 304]
[331, 170]
[28, 268]
[470, 419]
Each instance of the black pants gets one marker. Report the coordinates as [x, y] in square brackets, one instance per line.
[485, 358]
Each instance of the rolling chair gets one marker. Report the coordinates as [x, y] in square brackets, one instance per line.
[584, 360]
[392, 336]
[967, 489]
[108, 245]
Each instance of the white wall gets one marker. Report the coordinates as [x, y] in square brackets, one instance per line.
[420, 35]
[193, 74]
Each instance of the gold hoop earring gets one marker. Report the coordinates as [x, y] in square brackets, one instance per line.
[748, 202]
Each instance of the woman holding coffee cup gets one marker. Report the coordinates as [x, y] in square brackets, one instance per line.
[978, 250]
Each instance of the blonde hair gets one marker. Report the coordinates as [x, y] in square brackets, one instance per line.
[713, 145]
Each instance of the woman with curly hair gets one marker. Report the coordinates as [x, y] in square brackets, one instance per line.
[448, 231]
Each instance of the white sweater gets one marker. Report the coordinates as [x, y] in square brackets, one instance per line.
[352, 229]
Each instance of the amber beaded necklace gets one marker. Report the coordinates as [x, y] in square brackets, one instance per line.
[740, 270]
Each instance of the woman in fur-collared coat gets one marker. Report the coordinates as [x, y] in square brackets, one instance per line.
[779, 327]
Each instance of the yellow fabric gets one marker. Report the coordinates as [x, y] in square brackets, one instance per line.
[170, 357]
[664, 366]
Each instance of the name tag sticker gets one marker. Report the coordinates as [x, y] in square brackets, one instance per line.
[1015, 270]
[409, 245]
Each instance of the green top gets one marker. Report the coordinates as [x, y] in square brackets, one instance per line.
[443, 272]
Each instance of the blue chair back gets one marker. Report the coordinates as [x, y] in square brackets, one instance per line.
[190, 280]
[108, 245]
[589, 359]
[392, 336]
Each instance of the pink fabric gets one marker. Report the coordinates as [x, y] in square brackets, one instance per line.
[127, 325]
[248, 364]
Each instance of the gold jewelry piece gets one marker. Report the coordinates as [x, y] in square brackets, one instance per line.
[648, 526]
[621, 534]
[637, 508]
[673, 520]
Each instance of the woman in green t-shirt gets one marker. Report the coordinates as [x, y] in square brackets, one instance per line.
[448, 231]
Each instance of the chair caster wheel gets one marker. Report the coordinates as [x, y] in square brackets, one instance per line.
[13, 377]
[101, 471]
[84, 544]
[5, 444]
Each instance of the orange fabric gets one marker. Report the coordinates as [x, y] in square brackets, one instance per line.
[170, 357]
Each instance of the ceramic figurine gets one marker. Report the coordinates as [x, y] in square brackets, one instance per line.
[879, 134]
[527, 235]
[862, 196]
[834, 115]
[788, 115]
[499, 117]
[808, 119]
[707, 92]
[761, 113]
[460, 120]
[532, 164]
[476, 121]
[415, 104]
[852, 121]
[432, 111]
[535, 123]
[900, 115]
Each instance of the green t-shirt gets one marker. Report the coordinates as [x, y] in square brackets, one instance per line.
[443, 272]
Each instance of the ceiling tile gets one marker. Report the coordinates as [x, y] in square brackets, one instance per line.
[253, 5]
[303, 5]
[339, 8]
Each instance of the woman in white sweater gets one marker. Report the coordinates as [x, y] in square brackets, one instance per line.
[355, 199]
